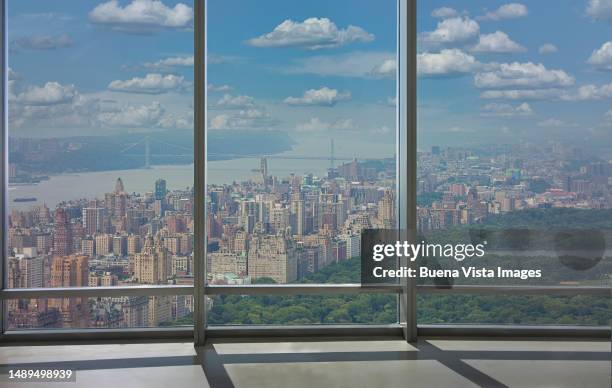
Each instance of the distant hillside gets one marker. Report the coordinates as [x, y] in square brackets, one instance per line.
[103, 153]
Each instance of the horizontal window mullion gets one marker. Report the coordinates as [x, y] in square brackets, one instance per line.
[269, 331]
[293, 289]
[501, 330]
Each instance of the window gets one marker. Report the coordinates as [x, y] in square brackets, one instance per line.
[302, 153]
[514, 149]
[100, 160]
[303, 138]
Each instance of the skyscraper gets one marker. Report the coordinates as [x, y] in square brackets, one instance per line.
[71, 271]
[104, 244]
[62, 236]
[248, 215]
[120, 245]
[272, 256]
[133, 244]
[119, 186]
[386, 209]
[88, 246]
[263, 167]
[160, 189]
[116, 202]
[25, 272]
[153, 264]
[93, 220]
[298, 216]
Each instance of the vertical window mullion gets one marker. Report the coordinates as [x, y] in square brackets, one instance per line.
[199, 255]
[407, 151]
[3, 164]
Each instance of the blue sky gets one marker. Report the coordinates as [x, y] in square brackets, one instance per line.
[489, 71]
[559, 51]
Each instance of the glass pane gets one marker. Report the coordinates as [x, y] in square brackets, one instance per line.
[100, 313]
[302, 309]
[100, 145]
[301, 137]
[514, 310]
[514, 150]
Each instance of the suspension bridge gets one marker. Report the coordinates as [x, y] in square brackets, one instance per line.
[180, 151]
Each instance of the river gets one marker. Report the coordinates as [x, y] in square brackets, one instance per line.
[92, 185]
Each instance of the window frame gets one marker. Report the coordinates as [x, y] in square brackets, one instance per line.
[406, 326]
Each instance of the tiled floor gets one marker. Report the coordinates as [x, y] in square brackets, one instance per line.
[287, 363]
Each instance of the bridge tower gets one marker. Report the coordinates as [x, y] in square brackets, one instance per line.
[331, 155]
[147, 154]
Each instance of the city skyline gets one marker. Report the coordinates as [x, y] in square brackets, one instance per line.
[302, 144]
[276, 229]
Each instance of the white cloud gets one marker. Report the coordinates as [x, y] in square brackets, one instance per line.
[43, 42]
[591, 92]
[383, 130]
[392, 101]
[177, 121]
[602, 57]
[142, 15]
[77, 113]
[506, 110]
[46, 17]
[547, 48]
[312, 34]
[12, 74]
[254, 118]
[236, 102]
[320, 97]
[607, 120]
[170, 62]
[50, 105]
[497, 42]
[219, 59]
[453, 30]
[54, 105]
[523, 94]
[317, 125]
[553, 123]
[600, 9]
[507, 11]
[343, 124]
[219, 88]
[604, 127]
[153, 83]
[387, 69]
[522, 75]
[446, 62]
[353, 64]
[13, 83]
[51, 93]
[134, 116]
[583, 93]
[444, 13]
